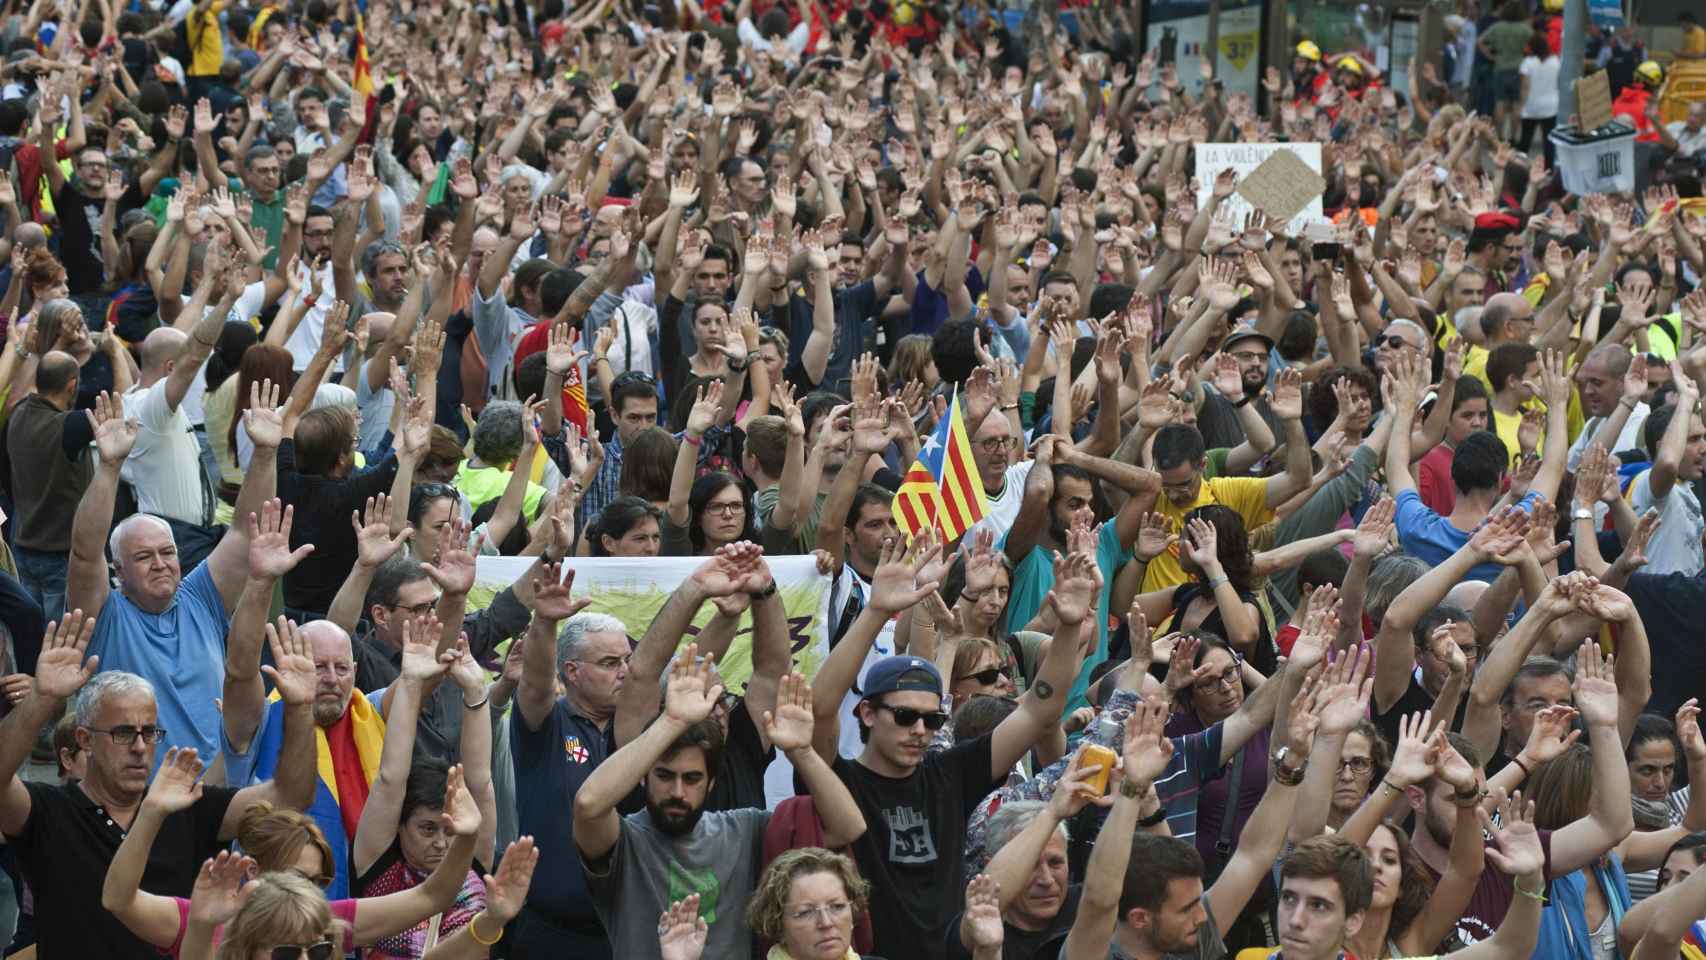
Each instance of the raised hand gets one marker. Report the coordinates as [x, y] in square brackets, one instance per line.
[789, 727]
[219, 890]
[453, 567]
[420, 651]
[373, 540]
[893, 585]
[1596, 690]
[1374, 532]
[60, 668]
[270, 555]
[1688, 730]
[1551, 734]
[1517, 851]
[263, 421]
[1072, 792]
[1076, 581]
[507, 890]
[177, 784]
[1147, 749]
[1411, 762]
[1342, 699]
[1200, 544]
[1450, 766]
[464, 670]
[692, 691]
[551, 594]
[681, 931]
[114, 434]
[461, 815]
[983, 914]
[292, 670]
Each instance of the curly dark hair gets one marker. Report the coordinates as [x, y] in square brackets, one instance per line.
[1323, 407]
[1232, 544]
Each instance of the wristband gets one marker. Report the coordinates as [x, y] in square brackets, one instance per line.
[1526, 773]
[1289, 778]
[1582, 513]
[1241, 401]
[769, 591]
[1469, 799]
[1629, 402]
[475, 706]
[1530, 894]
[691, 440]
[1217, 581]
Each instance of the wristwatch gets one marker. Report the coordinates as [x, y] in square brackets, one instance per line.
[769, 591]
[737, 365]
[1582, 513]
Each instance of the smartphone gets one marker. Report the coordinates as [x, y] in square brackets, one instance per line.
[1325, 251]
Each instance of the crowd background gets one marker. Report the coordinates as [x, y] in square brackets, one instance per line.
[1291, 593]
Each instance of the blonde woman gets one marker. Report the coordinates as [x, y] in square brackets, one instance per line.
[281, 915]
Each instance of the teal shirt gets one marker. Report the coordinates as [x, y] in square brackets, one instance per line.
[1034, 578]
[264, 218]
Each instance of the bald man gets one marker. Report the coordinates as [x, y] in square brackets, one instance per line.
[164, 468]
[1507, 318]
[253, 725]
[1614, 401]
[47, 443]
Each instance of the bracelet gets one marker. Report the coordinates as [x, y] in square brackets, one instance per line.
[691, 440]
[1541, 896]
[968, 595]
[1009, 406]
[1629, 402]
[1526, 773]
[1289, 778]
[1129, 789]
[769, 591]
[1388, 784]
[598, 360]
[1241, 401]
[1217, 581]
[475, 706]
[1155, 819]
[1469, 799]
[474, 931]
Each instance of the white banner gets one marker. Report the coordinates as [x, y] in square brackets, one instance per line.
[633, 590]
[1244, 158]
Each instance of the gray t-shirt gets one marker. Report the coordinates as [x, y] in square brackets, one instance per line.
[649, 869]
[1676, 546]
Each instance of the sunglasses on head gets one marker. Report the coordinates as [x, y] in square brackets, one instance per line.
[987, 678]
[322, 950]
[906, 717]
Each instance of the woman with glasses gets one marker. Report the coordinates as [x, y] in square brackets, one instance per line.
[280, 841]
[711, 511]
[807, 904]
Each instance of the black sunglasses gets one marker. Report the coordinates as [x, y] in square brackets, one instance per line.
[906, 717]
[1391, 340]
[634, 376]
[988, 677]
[313, 951]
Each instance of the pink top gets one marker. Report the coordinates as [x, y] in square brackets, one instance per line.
[341, 910]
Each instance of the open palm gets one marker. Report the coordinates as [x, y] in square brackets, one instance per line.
[790, 726]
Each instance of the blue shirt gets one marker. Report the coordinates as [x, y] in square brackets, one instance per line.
[259, 763]
[1034, 578]
[1427, 535]
[181, 651]
[551, 764]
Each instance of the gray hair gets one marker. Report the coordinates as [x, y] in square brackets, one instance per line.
[106, 683]
[497, 434]
[1012, 818]
[1467, 320]
[379, 248]
[124, 525]
[1391, 576]
[573, 635]
[1427, 341]
[57, 310]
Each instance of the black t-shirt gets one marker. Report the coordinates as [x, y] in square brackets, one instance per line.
[323, 520]
[740, 780]
[1414, 700]
[67, 845]
[80, 236]
[1020, 944]
[913, 850]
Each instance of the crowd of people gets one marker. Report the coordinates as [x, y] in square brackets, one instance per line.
[1298, 593]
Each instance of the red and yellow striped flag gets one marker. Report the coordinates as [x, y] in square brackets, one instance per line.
[942, 489]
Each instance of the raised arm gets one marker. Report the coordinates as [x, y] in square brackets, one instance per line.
[270, 558]
[151, 917]
[1609, 819]
[1073, 600]
[86, 582]
[551, 604]
[383, 812]
[61, 671]
[1288, 406]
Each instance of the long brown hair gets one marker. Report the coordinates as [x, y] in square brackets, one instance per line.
[1562, 788]
[275, 839]
[263, 361]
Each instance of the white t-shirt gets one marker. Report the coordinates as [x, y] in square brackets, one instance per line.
[1003, 510]
[304, 341]
[164, 468]
[1542, 87]
[1675, 547]
[1629, 439]
[374, 407]
[243, 310]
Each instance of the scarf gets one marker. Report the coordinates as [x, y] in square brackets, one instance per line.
[779, 952]
[347, 757]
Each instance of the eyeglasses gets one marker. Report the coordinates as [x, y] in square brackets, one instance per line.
[1394, 341]
[1227, 679]
[607, 663]
[725, 509]
[906, 717]
[987, 678]
[1249, 356]
[1357, 765]
[126, 735]
[995, 444]
[417, 610]
[828, 911]
[313, 951]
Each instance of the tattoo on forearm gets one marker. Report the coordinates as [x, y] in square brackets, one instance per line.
[1044, 689]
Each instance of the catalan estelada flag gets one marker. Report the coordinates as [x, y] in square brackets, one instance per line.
[362, 81]
[575, 409]
[942, 489]
[1694, 942]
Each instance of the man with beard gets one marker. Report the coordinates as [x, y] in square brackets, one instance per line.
[1223, 408]
[1056, 518]
[351, 728]
[638, 864]
[1143, 893]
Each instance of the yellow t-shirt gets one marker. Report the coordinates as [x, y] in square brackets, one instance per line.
[1694, 41]
[1247, 496]
[1475, 365]
[1506, 424]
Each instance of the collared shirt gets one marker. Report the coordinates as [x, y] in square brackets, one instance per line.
[558, 757]
[604, 486]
